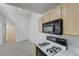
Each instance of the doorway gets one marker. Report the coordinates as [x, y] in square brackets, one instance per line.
[10, 32]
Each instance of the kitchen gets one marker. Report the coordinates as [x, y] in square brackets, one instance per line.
[53, 33]
[69, 30]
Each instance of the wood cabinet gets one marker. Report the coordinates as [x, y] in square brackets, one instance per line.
[51, 15]
[34, 49]
[70, 15]
[40, 24]
[46, 18]
[55, 13]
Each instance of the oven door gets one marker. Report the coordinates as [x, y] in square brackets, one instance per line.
[39, 52]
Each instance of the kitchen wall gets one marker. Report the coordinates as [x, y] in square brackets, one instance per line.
[35, 35]
[20, 18]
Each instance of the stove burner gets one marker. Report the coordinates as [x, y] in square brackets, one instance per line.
[53, 50]
[44, 44]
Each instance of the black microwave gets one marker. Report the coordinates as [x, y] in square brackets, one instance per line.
[53, 27]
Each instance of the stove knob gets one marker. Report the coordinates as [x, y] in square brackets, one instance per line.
[51, 51]
[47, 50]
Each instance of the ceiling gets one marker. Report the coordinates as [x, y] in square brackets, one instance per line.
[35, 7]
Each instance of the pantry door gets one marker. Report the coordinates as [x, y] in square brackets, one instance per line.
[10, 32]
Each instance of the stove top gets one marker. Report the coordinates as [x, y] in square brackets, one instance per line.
[44, 44]
[52, 46]
[50, 49]
[53, 50]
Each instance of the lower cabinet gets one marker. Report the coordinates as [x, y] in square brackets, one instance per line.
[39, 52]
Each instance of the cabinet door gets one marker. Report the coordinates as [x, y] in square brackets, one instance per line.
[46, 18]
[40, 24]
[55, 13]
[70, 15]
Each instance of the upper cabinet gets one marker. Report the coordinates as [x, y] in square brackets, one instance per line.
[40, 24]
[46, 18]
[70, 15]
[55, 13]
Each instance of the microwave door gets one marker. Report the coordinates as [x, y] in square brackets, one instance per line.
[47, 29]
[57, 28]
[50, 29]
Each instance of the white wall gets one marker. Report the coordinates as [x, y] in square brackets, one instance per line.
[35, 35]
[22, 23]
[1, 41]
[21, 18]
[2, 28]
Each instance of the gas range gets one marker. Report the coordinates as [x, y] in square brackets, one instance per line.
[51, 48]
